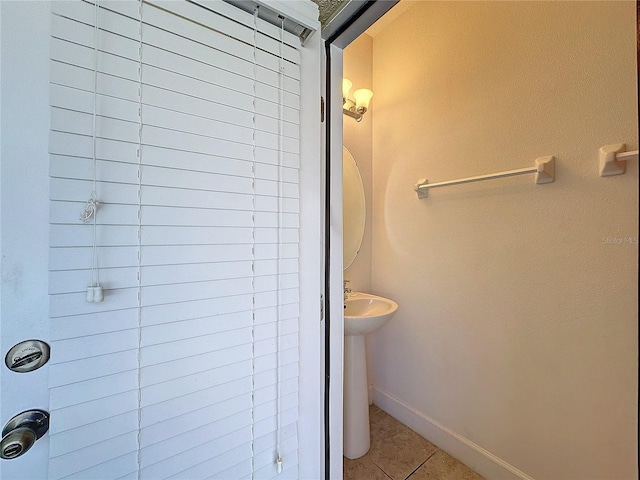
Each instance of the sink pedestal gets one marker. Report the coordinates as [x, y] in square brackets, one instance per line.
[356, 398]
[364, 313]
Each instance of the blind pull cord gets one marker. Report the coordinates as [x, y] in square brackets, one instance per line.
[253, 232]
[95, 293]
[279, 459]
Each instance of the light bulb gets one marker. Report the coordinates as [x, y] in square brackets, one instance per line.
[363, 97]
[346, 87]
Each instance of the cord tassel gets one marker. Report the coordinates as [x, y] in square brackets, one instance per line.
[90, 209]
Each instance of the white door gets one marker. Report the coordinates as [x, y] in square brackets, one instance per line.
[112, 384]
[24, 229]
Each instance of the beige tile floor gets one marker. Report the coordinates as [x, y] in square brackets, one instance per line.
[399, 453]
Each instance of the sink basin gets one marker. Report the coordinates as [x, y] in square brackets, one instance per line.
[366, 313]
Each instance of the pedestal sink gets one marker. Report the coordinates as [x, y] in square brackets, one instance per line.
[364, 313]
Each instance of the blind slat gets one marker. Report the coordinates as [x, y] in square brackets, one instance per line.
[74, 303]
[176, 349]
[108, 84]
[80, 124]
[95, 433]
[157, 374]
[84, 12]
[83, 34]
[75, 190]
[90, 346]
[178, 465]
[78, 258]
[67, 328]
[70, 281]
[160, 431]
[183, 442]
[94, 367]
[63, 212]
[80, 235]
[174, 408]
[197, 162]
[85, 458]
[79, 146]
[195, 327]
[175, 197]
[68, 419]
[193, 254]
[196, 382]
[163, 294]
[195, 217]
[160, 137]
[92, 389]
[195, 309]
[174, 178]
[80, 168]
[165, 275]
[123, 467]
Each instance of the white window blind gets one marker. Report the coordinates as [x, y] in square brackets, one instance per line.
[188, 368]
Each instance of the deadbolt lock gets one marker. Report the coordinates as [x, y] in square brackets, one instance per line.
[21, 432]
[27, 356]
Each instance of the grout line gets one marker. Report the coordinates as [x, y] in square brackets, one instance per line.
[380, 468]
[418, 467]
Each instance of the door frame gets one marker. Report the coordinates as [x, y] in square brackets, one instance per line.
[348, 25]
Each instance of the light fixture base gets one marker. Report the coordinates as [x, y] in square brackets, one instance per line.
[352, 113]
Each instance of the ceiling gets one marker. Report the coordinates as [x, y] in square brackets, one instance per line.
[329, 9]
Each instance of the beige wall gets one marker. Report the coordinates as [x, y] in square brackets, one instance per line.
[517, 330]
[358, 67]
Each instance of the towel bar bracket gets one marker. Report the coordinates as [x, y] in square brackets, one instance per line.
[545, 170]
[422, 192]
[613, 159]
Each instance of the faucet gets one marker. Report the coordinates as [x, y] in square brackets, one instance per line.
[347, 291]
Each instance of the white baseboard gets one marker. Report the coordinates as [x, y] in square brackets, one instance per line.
[469, 453]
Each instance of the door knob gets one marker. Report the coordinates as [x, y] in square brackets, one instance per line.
[21, 432]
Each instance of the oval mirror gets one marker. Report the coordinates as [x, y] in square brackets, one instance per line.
[353, 208]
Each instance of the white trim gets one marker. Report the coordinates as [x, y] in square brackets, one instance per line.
[311, 362]
[460, 447]
[336, 340]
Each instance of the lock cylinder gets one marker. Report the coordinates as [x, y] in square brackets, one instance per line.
[17, 442]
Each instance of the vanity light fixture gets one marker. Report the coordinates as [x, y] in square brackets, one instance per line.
[355, 108]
